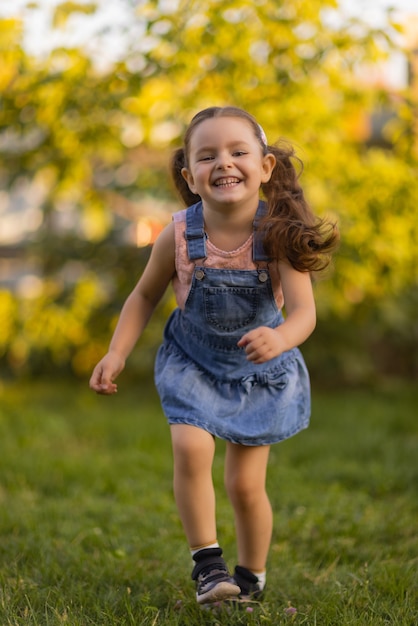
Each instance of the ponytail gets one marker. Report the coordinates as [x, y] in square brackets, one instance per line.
[291, 231]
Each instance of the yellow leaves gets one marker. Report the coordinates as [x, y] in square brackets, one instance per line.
[69, 143]
[8, 310]
[277, 59]
[131, 104]
[165, 52]
[66, 9]
[9, 69]
[356, 126]
[147, 10]
[157, 96]
[88, 295]
[95, 220]
[378, 256]
[132, 132]
[43, 323]
[46, 178]
[52, 96]
[154, 110]
[11, 31]
[10, 55]
[86, 356]
[163, 133]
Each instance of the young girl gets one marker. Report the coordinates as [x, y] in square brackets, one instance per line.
[229, 366]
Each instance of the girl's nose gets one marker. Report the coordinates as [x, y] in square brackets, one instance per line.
[223, 161]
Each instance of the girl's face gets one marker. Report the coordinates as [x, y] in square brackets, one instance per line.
[226, 165]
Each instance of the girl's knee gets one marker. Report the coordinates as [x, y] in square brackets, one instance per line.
[245, 474]
[243, 491]
[192, 448]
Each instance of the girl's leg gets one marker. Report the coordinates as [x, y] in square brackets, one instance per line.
[245, 478]
[193, 451]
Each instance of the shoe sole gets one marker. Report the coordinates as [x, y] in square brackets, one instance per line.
[222, 591]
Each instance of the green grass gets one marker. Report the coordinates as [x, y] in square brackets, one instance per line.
[89, 532]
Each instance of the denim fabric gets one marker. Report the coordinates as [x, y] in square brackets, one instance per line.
[205, 380]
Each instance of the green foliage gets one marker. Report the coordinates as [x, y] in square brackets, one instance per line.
[63, 324]
[89, 532]
[91, 145]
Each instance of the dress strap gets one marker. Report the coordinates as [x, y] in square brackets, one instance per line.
[259, 253]
[196, 237]
[195, 233]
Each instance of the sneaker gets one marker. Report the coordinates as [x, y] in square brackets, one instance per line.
[248, 584]
[213, 582]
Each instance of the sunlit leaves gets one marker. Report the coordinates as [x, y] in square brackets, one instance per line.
[64, 10]
[8, 315]
[93, 143]
[43, 324]
[10, 54]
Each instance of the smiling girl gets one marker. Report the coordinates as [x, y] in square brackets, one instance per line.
[229, 366]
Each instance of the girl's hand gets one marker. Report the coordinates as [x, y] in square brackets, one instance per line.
[105, 372]
[262, 344]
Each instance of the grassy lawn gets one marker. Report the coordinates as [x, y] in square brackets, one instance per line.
[89, 532]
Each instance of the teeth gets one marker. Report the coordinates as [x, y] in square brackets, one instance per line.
[226, 181]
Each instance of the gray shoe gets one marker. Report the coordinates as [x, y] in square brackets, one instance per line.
[213, 581]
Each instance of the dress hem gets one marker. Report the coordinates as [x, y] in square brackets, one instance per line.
[244, 441]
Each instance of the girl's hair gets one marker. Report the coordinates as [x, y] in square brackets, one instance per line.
[291, 230]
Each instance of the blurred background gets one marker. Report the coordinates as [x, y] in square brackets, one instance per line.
[94, 96]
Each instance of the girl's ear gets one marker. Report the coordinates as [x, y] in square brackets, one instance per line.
[189, 179]
[269, 161]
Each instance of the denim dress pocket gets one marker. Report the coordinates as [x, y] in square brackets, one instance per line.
[230, 308]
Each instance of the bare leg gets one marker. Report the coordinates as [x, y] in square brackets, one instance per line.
[245, 478]
[193, 451]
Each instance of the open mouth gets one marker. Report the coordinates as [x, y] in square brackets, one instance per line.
[227, 182]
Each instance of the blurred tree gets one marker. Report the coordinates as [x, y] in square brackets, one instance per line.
[92, 144]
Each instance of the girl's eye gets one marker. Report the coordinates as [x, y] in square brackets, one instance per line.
[206, 158]
[239, 153]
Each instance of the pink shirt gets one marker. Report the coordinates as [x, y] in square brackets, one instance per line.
[239, 259]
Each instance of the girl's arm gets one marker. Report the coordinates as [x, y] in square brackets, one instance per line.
[136, 312]
[263, 343]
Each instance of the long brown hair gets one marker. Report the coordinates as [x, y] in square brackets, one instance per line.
[291, 230]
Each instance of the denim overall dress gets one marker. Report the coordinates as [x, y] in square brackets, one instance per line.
[204, 379]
